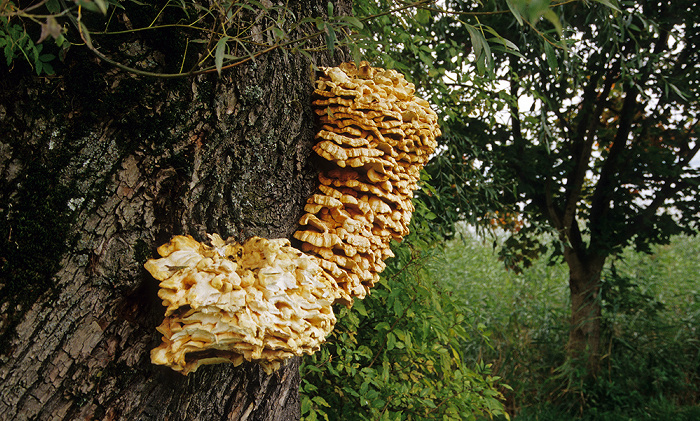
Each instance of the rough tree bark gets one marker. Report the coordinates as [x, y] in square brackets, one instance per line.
[98, 168]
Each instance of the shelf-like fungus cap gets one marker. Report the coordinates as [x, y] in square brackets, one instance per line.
[262, 301]
[376, 135]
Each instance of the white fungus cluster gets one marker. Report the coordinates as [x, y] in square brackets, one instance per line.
[262, 301]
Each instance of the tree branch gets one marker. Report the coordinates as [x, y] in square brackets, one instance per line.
[602, 196]
[604, 188]
[589, 119]
[550, 209]
[543, 200]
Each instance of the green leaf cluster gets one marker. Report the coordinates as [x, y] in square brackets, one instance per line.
[203, 38]
[398, 354]
[15, 42]
[577, 119]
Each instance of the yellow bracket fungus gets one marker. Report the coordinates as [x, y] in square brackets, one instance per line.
[377, 135]
[265, 301]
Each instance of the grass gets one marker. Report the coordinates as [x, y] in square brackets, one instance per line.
[651, 320]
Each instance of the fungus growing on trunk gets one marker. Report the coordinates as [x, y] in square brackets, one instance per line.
[376, 136]
[265, 301]
[262, 301]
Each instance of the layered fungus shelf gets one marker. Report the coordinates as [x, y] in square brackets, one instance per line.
[266, 301]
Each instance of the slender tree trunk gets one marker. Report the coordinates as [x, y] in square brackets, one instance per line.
[97, 169]
[585, 333]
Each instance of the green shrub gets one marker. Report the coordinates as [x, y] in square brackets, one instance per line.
[398, 354]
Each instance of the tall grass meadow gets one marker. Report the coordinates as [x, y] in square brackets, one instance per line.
[651, 320]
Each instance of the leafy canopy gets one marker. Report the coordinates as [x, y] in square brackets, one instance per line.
[201, 37]
[579, 117]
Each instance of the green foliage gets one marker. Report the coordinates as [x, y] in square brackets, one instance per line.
[202, 38]
[523, 315]
[397, 354]
[650, 317]
[586, 73]
[514, 324]
[15, 42]
[575, 116]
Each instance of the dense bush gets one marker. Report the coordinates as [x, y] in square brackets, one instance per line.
[398, 354]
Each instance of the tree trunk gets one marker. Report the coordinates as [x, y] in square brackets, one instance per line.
[585, 333]
[98, 168]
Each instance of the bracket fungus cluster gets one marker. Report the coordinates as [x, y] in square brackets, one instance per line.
[265, 301]
[262, 301]
[376, 136]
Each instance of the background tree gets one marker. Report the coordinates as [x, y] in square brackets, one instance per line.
[100, 165]
[580, 117]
